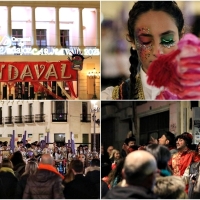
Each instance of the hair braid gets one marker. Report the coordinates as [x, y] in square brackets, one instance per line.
[133, 69]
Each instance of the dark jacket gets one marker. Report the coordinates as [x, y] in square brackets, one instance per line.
[19, 169]
[94, 177]
[8, 184]
[44, 184]
[80, 188]
[21, 186]
[130, 192]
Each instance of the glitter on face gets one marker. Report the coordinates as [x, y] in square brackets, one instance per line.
[143, 49]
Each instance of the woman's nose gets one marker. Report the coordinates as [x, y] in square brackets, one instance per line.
[157, 50]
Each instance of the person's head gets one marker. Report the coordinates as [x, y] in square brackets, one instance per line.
[95, 162]
[130, 141]
[167, 139]
[115, 154]
[139, 169]
[77, 167]
[17, 158]
[161, 154]
[31, 167]
[110, 149]
[6, 163]
[183, 141]
[154, 28]
[47, 159]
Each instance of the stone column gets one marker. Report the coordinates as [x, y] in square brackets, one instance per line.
[57, 26]
[80, 28]
[98, 27]
[9, 26]
[34, 45]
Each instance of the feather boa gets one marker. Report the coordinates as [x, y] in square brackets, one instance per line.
[178, 71]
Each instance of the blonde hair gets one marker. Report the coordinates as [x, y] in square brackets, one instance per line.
[114, 151]
[31, 168]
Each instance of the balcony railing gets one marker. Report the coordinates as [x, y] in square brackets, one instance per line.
[59, 117]
[40, 118]
[85, 117]
[8, 120]
[18, 119]
[29, 118]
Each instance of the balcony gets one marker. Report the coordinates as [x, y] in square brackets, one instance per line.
[8, 120]
[18, 119]
[29, 118]
[59, 117]
[40, 118]
[85, 117]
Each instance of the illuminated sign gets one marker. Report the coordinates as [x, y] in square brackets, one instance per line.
[37, 71]
[7, 49]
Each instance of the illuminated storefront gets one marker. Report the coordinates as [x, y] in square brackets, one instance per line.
[51, 32]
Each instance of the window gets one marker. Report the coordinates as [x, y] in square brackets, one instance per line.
[1, 119]
[10, 111]
[17, 33]
[60, 114]
[41, 37]
[41, 107]
[84, 111]
[85, 138]
[30, 109]
[64, 38]
[20, 110]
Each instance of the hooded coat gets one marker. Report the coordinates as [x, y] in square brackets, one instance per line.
[45, 184]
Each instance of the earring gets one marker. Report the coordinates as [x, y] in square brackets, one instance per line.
[133, 48]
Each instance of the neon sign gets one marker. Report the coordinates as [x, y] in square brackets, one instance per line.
[7, 49]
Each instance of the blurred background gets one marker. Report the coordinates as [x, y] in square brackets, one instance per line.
[114, 46]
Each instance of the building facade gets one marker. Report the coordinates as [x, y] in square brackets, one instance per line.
[148, 119]
[51, 32]
[57, 118]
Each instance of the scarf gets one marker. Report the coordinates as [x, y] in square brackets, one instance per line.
[7, 169]
[50, 168]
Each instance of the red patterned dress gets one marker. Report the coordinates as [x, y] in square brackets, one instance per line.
[181, 160]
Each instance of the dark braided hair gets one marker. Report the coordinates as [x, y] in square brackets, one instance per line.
[140, 7]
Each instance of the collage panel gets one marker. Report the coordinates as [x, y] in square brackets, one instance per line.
[150, 50]
[147, 146]
[50, 99]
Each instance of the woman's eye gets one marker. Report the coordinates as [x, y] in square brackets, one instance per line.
[167, 43]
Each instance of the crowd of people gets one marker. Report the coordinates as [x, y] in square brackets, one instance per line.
[37, 171]
[166, 168]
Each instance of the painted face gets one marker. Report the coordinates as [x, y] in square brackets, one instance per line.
[162, 140]
[155, 33]
[181, 144]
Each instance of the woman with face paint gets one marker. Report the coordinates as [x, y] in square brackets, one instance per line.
[154, 28]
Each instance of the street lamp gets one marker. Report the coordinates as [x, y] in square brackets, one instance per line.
[94, 75]
[94, 110]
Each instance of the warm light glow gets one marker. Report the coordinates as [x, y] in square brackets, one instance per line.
[93, 74]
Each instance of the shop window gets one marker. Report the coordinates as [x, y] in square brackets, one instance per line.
[64, 38]
[41, 37]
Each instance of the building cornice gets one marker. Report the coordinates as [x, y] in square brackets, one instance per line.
[69, 4]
